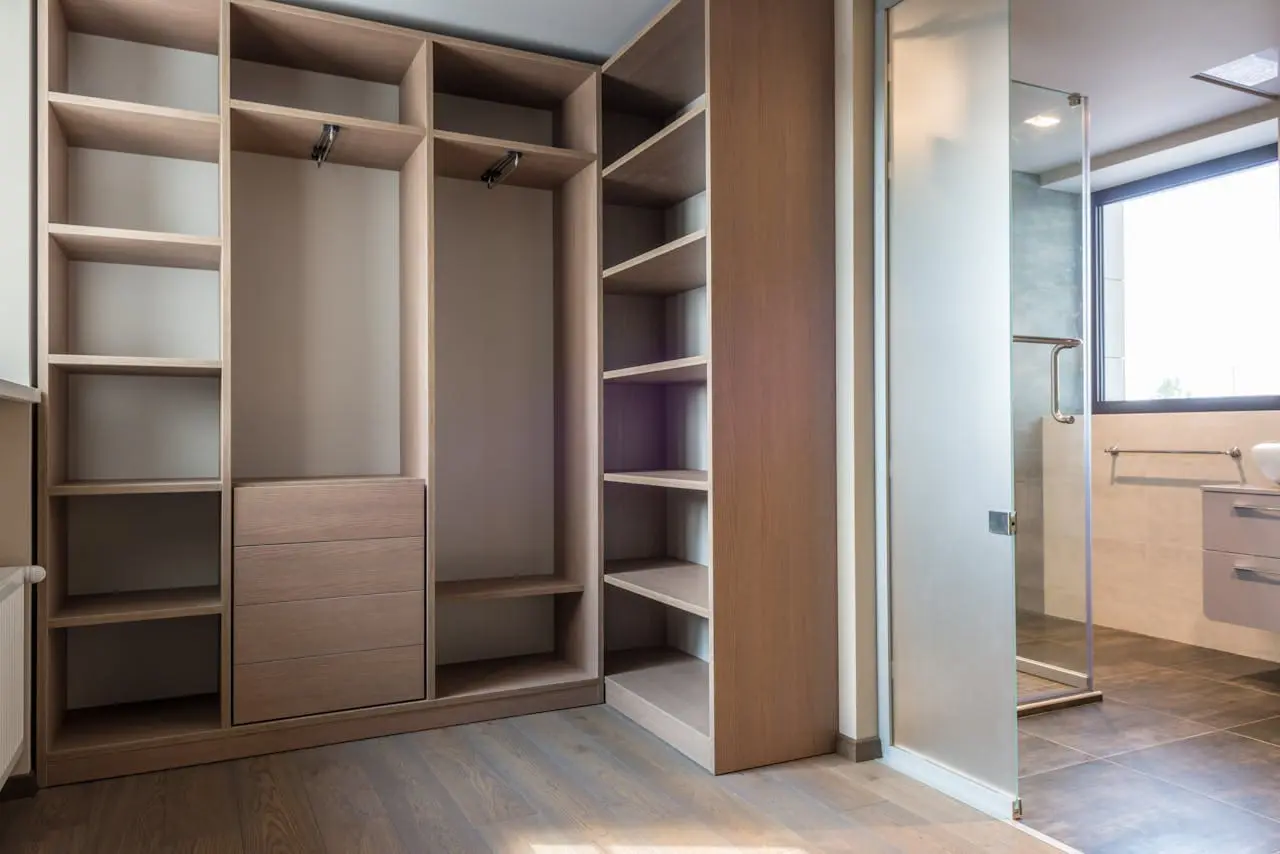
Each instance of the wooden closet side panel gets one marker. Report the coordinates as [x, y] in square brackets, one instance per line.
[772, 297]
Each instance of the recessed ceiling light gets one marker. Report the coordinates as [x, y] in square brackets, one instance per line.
[1258, 73]
[1044, 121]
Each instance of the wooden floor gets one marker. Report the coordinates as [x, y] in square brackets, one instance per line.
[561, 783]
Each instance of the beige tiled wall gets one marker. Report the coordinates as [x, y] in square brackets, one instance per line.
[1147, 523]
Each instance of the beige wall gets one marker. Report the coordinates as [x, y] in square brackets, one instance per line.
[1147, 529]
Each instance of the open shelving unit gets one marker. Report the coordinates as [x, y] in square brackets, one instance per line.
[718, 532]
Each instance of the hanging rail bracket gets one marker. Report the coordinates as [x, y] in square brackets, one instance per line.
[498, 172]
[324, 145]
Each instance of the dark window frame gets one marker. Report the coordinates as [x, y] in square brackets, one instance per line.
[1228, 165]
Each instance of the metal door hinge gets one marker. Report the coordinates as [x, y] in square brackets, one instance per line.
[1017, 809]
[1003, 523]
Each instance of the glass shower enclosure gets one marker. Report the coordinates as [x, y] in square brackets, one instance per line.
[1049, 297]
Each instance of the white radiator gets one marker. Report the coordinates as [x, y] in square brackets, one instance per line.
[13, 661]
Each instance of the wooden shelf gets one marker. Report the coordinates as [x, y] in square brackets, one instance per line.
[491, 73]
[182, 24]
[678, 583]
[288, 132]
[668, 693]
[666, 169]
[465, 156]
[678, 266]
[135, 366]
[690, 370]
[11, 392]
[671, 479]
[520, 587]
[137, 607]
[664, 67]
[134, 487]
[505, 676]
[144, 248]
[343, 480]
[136, 128]
[112, 727]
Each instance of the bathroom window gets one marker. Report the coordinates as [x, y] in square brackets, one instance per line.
[1188, 288]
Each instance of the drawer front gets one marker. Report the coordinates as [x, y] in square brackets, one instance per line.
[1242, 523]
[298, 571]
[1242, 590]
[285, 630]
[269, 514]
[330, 683]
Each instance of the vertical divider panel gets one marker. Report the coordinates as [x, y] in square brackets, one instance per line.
[578, 386]
[417, 367]
[224, 418]
[51, 322]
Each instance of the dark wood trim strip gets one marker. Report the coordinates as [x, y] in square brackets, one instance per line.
[859, 749]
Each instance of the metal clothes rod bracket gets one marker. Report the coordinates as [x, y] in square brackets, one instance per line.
[1234, 453]
[324, 145]
[498, 172]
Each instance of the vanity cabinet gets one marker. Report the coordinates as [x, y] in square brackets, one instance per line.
[1242, 556]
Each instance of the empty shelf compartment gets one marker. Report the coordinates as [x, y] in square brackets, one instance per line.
[517, 675]
[671, 581]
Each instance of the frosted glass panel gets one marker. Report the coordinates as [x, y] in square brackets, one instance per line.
[950, 435]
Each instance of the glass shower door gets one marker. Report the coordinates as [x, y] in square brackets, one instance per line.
[1048, 297]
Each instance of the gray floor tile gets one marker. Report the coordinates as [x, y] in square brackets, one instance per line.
[1109, 728]
[1036, 755]
[1268, 730]
[1219, 705]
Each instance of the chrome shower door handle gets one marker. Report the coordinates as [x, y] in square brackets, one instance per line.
[1055, 384]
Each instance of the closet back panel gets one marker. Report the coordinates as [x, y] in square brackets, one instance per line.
[643, 522]
[308, 90]
[479, 631]
[115, 190]
[634, 622]
[142, 73]
[135, 662]
[315, 285]
[142, 542]
[495, 463]
[142, 427]
[122, 310]
[486, 118]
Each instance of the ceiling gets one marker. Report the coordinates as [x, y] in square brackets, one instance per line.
[581, 29]
[1134, 59]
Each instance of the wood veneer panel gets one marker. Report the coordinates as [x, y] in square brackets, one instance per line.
[490, 73]
[289, 132]
[673, 582]
[135, 366]
[11, 392]
[137, 607]
[518, 587]
[133, 487]
[299, 571]
[667, 693]
[773, 390]
[670, 479]
[143, 248]
[664, 67]
[309, 686]
[279, 34]
[106, 125]
[465, 156]
[182, 24]
[672, 268]
[520, 674]
[285, 630]
[664, 170]
[328, 509]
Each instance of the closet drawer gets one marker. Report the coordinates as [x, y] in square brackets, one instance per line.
[329, 683]
[297, 571]
[313, 511]
[1242, 590]
[285, 630]
[1242, 522]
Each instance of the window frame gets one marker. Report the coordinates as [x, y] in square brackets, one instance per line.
[1239, 162]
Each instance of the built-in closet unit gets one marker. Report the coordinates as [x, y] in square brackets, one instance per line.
[719, 411]
[321, 449]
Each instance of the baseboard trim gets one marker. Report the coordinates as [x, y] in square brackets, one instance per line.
[18, 787]
[859, 749]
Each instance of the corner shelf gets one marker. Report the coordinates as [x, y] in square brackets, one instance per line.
[666, 169]
[672, 268]
[111, 727]
[677, 583]
[92, 243]
[664, 67]
[517, 675]
[521, 587]
[542, 167]
[77, 488]
[135, 366]
[289, 132]
[106, 125]
[137, 607]
[689, 370]
[670, 479]
[668, 693]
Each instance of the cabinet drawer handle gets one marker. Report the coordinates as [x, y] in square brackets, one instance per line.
[1256, 508]
[1251, 573]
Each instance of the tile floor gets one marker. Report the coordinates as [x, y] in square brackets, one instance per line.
[1182, 756]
